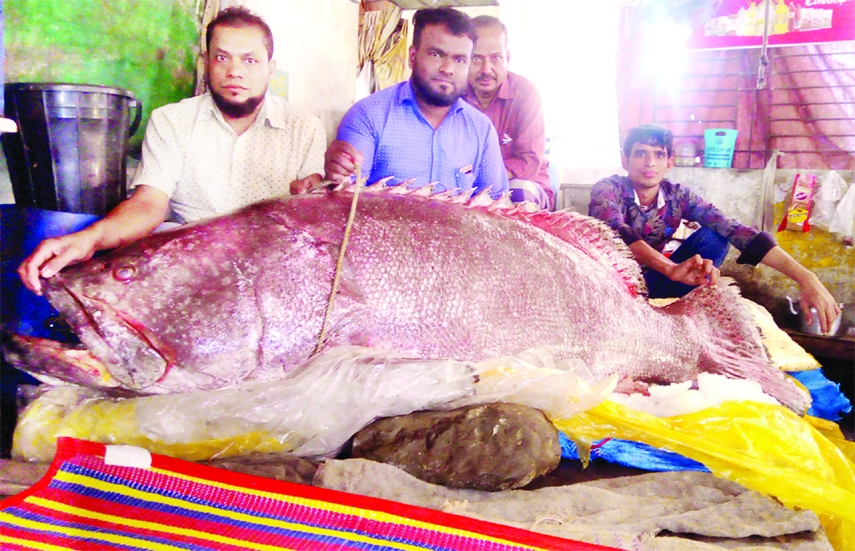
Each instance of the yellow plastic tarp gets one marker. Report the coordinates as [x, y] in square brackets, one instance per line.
[803, 462]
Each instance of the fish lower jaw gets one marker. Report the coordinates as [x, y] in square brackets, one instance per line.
[127, 353]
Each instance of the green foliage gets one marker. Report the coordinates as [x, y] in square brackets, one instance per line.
[148, 47]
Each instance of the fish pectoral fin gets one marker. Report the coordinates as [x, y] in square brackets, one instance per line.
[628, 385]
[350, 326]
[348, 286]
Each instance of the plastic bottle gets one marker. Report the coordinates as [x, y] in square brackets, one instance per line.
[740, 22]
[782, 17]
[750, 20]
[684, 153]
[760, 26]
[791, 18]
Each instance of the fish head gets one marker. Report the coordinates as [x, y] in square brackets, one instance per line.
[181, 298]
[103, 302]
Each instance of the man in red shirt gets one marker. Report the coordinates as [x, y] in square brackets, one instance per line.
[513, 105]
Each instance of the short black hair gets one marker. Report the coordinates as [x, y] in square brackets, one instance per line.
[456, 22]
[490, 22]
[240, 17]
[649, 134]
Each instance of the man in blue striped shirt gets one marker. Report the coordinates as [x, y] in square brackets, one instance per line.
[421, 129]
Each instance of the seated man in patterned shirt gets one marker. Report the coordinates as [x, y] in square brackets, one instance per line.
[645, 209]
[206, 155]
[421, 129]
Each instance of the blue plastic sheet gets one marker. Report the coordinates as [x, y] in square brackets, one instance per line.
[632, 454]
[828, 402]
[21, 230]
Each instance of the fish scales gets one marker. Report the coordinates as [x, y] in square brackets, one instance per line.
[241, 298]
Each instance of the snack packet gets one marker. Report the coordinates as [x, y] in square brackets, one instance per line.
[797, 215]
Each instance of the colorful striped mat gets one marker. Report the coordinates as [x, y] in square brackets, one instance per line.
[115, 497]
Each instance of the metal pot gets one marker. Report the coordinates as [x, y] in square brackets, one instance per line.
[813, 328]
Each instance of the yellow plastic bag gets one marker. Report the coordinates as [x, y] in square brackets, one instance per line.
[765, 448]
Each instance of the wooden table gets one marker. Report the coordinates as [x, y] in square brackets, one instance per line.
[820, 346]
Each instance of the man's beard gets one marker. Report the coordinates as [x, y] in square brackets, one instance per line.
[432, 97]
[236, 109]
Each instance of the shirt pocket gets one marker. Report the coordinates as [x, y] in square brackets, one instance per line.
[464, 180]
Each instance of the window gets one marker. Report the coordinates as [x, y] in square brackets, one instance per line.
[806, 110]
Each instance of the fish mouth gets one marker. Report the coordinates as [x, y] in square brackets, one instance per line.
[132, 354]
[48, 360]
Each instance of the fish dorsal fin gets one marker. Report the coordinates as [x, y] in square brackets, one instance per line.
[447, 195]
[591, 236]
[423, 191]
[601, 243]
[329, 187]
[376, 188]
[502, 203]
[463, 197]
[402, 189]
[379, 185]
[481, 199]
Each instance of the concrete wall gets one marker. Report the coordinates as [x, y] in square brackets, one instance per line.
[316, 46]
[737, 193]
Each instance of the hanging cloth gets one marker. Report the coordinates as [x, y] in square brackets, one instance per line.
[212, 8]
[382, 48]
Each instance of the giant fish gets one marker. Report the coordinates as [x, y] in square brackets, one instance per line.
[243, 298]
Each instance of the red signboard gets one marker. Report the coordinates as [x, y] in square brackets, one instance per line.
[740, 23]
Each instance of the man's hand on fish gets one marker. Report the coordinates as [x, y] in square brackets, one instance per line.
[133, 218]
[695, 271]
[340, 161]
[52, 255]
[306, 184]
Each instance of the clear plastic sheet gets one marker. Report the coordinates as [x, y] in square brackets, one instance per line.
[311, 414]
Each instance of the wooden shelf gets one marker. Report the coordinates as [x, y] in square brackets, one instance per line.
[839, 348]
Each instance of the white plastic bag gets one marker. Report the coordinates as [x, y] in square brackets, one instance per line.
[764, 213]
[843, 222]
[832, 189]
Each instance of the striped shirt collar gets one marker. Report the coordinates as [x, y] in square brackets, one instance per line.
[660, 199]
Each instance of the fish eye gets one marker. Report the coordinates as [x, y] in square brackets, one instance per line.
[124, 273]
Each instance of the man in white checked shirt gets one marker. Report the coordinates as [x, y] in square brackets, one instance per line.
[206, 155]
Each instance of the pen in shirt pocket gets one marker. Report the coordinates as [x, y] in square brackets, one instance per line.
[466, 169]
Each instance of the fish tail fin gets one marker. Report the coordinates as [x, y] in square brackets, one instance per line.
[733, 347]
